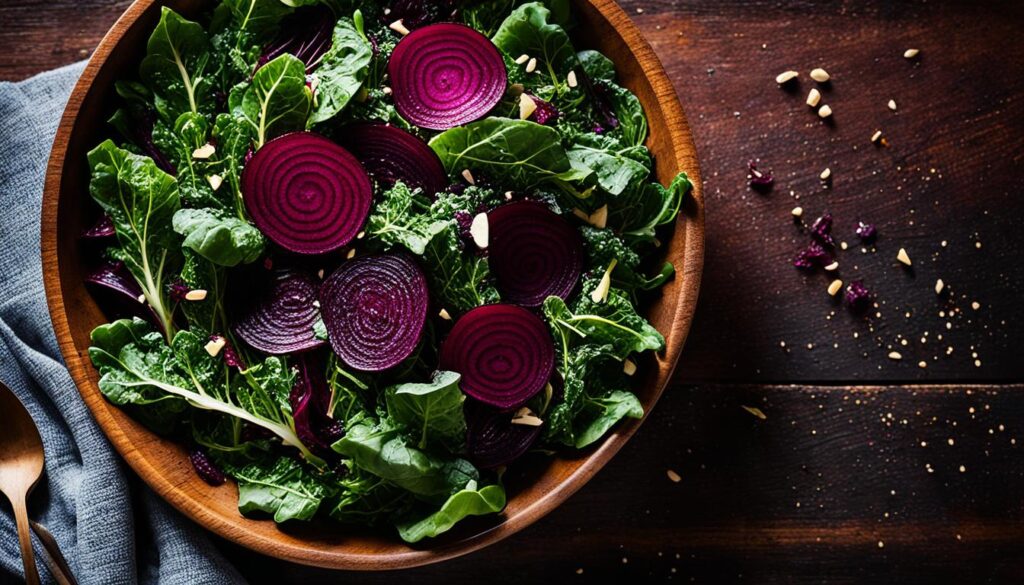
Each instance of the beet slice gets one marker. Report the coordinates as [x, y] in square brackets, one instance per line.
[374, 308]
[103, 229]
[279, 316]
[391, 154]
[535, 253]
[117, 291]
[504, 353]
[306, 193]
[310, 399]
[491, 438]
[445, 75]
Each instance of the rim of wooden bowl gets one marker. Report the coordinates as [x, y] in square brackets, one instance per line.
[164, 466]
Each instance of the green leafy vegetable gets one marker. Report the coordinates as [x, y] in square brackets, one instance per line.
[178, 142]
[645, 207]
[596, 65]
[469, 501]
[615, 167]
[205, 317]
[432, 412]
[281, 487]
[277, 101]
[528, 31]
[401, 219]
[367, 499]
[176, 66]
[140, 200]
[242, 28]
[603, 246]
[218, 236]
[613, 322]
[341, 74]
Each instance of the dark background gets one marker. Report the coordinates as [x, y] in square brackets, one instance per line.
[866, 469]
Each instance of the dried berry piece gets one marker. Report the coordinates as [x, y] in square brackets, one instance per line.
[866, 232]
[760, 180]
[813, 256]
[821, 230]
[857, 296]
[205, 468]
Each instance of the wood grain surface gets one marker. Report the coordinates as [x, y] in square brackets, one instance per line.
[734, 516]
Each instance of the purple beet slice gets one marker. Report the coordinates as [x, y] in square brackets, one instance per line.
[103, 229]
[306, 193]
[445, 75]
[117, 291]
[504, 353]
[391, 154]
[535, 253]
[491, 438]
[279, 316]
[374, 308]
[310, 399]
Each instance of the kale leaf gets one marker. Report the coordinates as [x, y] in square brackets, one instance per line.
[615, 167]
[527, 31]
[401, 218]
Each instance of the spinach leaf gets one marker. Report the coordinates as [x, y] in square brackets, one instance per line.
[282, 487]
[527, 31]
[366, 499]
[596, 66]
[432, 412]
[219, 237]
[632, 121]
[645, 207]
[598, 415]
[613, 322]
[517, 153]
[381, 450]
[615, 167]
[277, 100]
[583, 367]
[140, 199]
[132, 367]
[401, 219]
[341, 74]
[469, 501]
[176, 66]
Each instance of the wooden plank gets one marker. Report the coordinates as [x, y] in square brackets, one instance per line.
[804, 496]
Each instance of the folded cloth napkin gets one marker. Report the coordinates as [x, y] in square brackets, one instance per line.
[111, 528]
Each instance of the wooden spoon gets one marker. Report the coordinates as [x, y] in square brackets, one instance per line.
[21, 464]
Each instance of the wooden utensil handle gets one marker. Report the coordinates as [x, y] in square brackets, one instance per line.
[25, 540]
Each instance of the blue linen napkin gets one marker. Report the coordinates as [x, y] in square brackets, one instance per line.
[111, 528]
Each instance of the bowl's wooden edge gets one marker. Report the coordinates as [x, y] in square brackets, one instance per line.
[690, 227]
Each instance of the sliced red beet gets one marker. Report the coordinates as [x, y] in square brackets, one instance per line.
[310, 398]
[278, 316]
[103, 229]
[391, 154]
[491, 438]
[504, 353]
[118, 293]
[445, 75]
[535, 253]
[306, 193]
[374, 308]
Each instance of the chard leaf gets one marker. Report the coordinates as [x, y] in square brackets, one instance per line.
[400, 219]
[613, 322]
[140, 200]
[598, 415]
[219, 237]
[281, 487]
[517, 153]
[277, 100]
[131, 366]
[176, 66]
[380, 449]
[342, 72]
[528, 31]
[432, 412]
[645, 207]
[469, 501]
[351, 397]
[615, 167]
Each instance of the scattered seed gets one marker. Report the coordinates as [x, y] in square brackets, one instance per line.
[320, 274]
[922, 364]
[819, 75]
[468, 175]
[480, 230]
[963, 469]
[571, 79]
[813, 97]
[975, 305]
[825, 111]
[522, 59]
[531, 66]
[360, 235]
[204, 152]
[316, 304]
[399, 27]
[881, 544]
[672, 475]
[895, 355]
[797, 211]
[215, 345]
[786, 77]
[903, 257]
[843, 245]
[826, 174]
[599, 218]
[876, 136]
[910, 53]
[526, 106]
[835, 287]
[629, 367]
[755, 411]
[443, 313]
[939, 285]
[892, 105]
[196, 295]
[832, 267]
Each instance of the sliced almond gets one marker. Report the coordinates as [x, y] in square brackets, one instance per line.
[813, 97]
[215, 345]
[530, 421]
[531, 65]
[399, 27]
[755, 411]
[826, 174]
[468, 175]
[386, 90]
[141, 299]
[443, 313]
[797, 211]
[895, 355]
[599, 218]
[825, 111]
[903, 257]
[215, 181]
[351, 254]
[480, 229]
[673, 476]
[600, 294]
[204, 152]
[196, 295]
[571, 79]
[629, 367]
[522, 59]
[876, 136]
[910, 53]
[892, 105]
[832, 267]
[526, 106]
[820, 75]
[835, 287]
[939, 286]
[786, 77]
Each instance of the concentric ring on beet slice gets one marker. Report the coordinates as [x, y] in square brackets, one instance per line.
[375, 308]
[278, 317]
[391, 154]
[534, 253]
[503, 352]
[491, 438]
[306, 193]
[445, 75]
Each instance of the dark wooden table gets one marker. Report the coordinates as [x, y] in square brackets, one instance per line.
[867, 469]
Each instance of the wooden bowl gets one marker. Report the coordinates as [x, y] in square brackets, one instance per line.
[536, 485]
